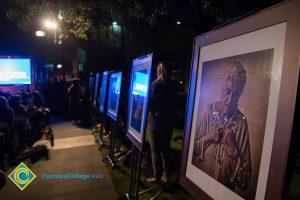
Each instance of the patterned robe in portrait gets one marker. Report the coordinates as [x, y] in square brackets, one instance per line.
[212, 158]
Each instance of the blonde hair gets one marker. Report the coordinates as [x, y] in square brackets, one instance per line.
[164, 70]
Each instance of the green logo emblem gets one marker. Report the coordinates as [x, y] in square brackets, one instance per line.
[22, 176]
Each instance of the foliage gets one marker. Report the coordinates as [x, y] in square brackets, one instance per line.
[211, 13]
[93, 18]
[85, 18]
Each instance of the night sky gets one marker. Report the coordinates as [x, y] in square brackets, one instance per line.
[13, 40]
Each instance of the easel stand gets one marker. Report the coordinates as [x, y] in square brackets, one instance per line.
[135, 174]
[99, 139]
[163, 187]
[96, 127]
[124, 155]
[111, 154]
[97, 124]
[135, 179]
[98, 121]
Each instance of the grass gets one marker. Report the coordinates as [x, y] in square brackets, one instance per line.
[294, 186]
[120, 174]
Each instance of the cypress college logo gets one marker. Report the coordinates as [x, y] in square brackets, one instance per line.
[22, 176]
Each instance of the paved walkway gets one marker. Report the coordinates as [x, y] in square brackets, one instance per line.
[74, 152]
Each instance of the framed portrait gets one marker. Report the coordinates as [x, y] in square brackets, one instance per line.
[233, 129]
[138, 99]
[115, 84]
[96, 90]
[103, 92]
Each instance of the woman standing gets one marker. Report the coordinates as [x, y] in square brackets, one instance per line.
[75, 94]
[162, 107]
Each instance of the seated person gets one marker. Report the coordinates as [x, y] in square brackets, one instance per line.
[38, 99]
[5, 94]
[6, 113]
[21, 121]
[27, 101]
[25, 97]
[14, 102]
[41, 117]
[2, 143]
[2, 179]
[7, 116]
[27, 110]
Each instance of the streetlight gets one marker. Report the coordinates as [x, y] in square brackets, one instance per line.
[50, 24]
[59, 66]
[116, 27]
[40, 33]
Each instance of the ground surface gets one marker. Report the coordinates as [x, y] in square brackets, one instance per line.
[74, 152]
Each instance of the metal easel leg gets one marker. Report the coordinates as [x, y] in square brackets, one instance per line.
[111, 157]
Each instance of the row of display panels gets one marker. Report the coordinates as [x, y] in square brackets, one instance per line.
[240, 107]
[109, 94]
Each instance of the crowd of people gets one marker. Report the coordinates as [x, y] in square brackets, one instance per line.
[23, 117]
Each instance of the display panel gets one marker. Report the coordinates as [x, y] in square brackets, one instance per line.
[232, 115]
[91, 87]
[103, 91]
[15, 71]
[96, 90]
[115, 83]
[138, 99]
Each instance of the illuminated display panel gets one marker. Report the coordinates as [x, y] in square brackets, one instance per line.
[15, 71]
[103, 91]
[114, 95]
[96, 91]
[138, 99]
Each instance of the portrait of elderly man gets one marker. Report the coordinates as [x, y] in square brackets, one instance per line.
[221, 145]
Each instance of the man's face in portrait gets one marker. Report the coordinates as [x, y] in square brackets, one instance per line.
[231, 92]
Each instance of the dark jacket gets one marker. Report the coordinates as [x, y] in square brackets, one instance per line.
[163, 101]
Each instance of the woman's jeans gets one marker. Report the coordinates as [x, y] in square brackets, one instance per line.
[159, 137]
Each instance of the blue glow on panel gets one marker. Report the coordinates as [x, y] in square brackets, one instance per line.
[103, 90]
[140, 83]
[15, 71]
[115, 83]
[96, 88]
[114, 95]
[118, 85]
